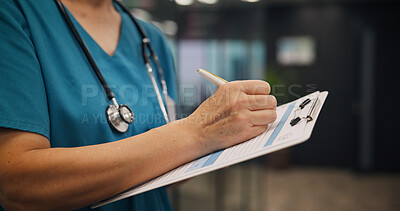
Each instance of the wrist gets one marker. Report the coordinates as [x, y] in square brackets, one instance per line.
[192, 130]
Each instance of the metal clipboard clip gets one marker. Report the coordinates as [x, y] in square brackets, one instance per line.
[309, 117]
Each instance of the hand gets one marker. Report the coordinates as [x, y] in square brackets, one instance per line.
[238, 111]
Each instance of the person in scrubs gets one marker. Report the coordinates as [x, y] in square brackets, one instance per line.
[57, 150]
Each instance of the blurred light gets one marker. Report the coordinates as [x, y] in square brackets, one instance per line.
[158, 25]
[208, 1]
[170, 27]
[142, 14]
[297, 50]
[184, 2]
[251, 0]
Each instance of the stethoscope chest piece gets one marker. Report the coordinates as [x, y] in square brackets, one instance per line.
[119, 117]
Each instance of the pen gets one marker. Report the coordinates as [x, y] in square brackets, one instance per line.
[216, 80]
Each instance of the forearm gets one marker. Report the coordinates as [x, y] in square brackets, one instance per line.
[75, 177]
[33, 175]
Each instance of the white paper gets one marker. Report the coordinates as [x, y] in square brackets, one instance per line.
[279, 135]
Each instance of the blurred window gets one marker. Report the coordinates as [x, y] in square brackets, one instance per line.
[299, 50]
[230, 59]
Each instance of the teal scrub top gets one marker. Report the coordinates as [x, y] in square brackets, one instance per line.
[48, 87]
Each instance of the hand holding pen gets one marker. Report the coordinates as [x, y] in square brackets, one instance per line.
[236, 112]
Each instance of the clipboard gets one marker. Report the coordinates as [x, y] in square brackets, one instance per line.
[281, 134]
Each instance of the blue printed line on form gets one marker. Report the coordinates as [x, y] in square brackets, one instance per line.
[205, 161]
[199, 163]
[213, 158]
[280, 125]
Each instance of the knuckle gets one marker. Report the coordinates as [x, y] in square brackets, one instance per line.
[224, 87]
[264, 100]
[240, 105]
[242, 99]
[238, 101]
[263, 128]
[232, 101]
[230, 89]
[274, 116]
[229, 86]
[268, 87]
[272, 100]
[262, 87]
[236, 87]
[240, 118]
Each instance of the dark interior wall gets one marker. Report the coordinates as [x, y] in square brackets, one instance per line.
[338, 31]
[338, 28]
[327, 24]
[387, 141]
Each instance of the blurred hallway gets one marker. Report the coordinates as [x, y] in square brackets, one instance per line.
[352, 49]
[296, 188]
[347, 47]
[331, 189]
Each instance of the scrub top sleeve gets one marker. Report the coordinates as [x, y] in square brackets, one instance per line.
[23, 101]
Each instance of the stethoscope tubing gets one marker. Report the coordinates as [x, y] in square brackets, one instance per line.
[146, 58]
[146, 43]
[85, 49]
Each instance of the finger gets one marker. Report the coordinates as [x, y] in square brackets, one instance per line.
[255, 87]
[262, 117]
[261, 102]
[256, 130]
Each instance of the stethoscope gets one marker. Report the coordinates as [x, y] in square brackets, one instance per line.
[119, 116]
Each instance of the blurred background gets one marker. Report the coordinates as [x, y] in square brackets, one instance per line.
[347, 47]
